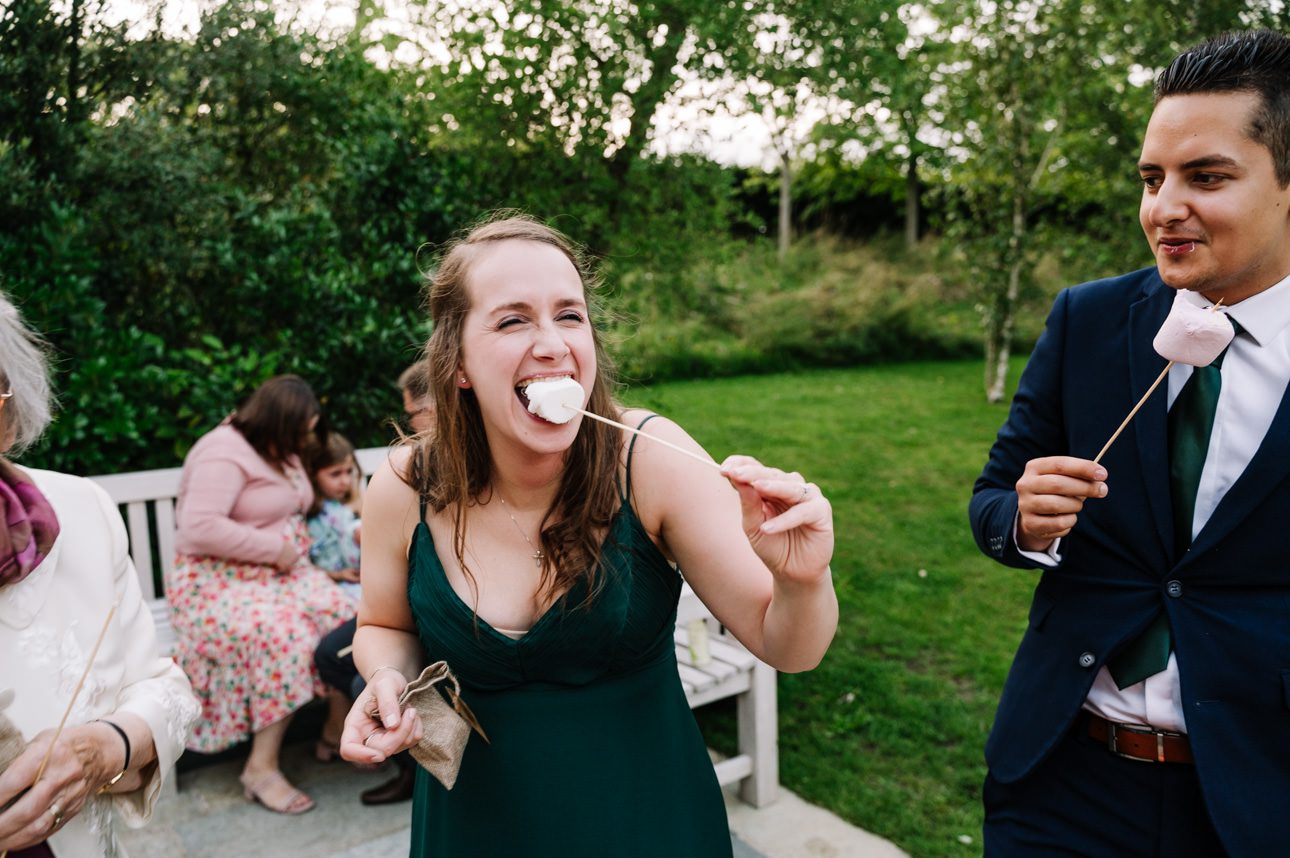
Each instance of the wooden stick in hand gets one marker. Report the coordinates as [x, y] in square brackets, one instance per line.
[75, 692]
[70, 703]
[690, 453]
[1164, 372]
[1150, 390]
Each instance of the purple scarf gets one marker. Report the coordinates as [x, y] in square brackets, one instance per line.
[28, 526]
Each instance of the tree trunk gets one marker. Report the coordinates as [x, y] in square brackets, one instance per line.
[997, 369]
[909, 126]
[999, 333]
[645, 101]
[911, 201]
[991, 356]
[785, 205]
[75, 26]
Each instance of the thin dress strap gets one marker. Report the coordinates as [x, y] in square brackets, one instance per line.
[423, 508]
[631, 448]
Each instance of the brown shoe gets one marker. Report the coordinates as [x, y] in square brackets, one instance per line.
[397, 788]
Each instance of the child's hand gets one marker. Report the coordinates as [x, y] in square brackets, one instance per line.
[349, 575]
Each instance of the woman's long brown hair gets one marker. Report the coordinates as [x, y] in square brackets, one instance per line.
[452, 467]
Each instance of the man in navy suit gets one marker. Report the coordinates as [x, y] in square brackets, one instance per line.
[1147, 711]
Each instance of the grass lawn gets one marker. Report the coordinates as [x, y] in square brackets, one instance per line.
[888, 732]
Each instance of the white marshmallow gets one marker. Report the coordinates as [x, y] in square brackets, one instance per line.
[555, 400]
[1193, 335]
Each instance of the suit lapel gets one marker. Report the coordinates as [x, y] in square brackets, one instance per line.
[1149, 426]
[1268, 468]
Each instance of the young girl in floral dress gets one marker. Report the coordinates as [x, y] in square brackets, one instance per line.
[333, 516]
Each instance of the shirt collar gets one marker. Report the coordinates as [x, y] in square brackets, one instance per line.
[1263, 316]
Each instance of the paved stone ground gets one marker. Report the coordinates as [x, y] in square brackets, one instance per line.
[209, 818]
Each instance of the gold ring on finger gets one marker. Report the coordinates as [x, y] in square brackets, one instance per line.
[57, 813]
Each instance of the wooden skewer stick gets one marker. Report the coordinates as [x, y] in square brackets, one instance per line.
[690, 453]
[1145, 397]
[75, 692]
[72, 702]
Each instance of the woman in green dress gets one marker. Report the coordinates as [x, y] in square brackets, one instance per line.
[539, 560]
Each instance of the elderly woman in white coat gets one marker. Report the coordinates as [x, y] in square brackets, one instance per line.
[63, 566]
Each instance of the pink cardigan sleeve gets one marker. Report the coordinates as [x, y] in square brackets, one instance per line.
[204, 517]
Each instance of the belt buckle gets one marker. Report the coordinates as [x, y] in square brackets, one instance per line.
[1112, 743]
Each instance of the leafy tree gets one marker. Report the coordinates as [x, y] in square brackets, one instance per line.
[892, 87]
[536, 83]
[1047, 102]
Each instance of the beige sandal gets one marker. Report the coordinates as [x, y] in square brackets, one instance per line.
[296, 801]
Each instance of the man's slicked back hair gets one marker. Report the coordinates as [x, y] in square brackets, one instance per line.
[1255, 61]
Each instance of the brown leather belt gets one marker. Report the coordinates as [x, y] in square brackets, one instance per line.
[1139, 743]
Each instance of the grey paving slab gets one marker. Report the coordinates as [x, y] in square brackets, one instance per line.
[209, 818]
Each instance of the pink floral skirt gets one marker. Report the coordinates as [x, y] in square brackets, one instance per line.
[246, 638]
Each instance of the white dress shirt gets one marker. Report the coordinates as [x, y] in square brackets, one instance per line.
[1255, 372]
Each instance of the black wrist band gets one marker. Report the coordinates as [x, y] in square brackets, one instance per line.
[124, 738]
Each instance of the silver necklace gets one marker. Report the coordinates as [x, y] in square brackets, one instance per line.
[537, 554]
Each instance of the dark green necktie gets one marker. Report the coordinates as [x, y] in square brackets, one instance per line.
[1191, 420]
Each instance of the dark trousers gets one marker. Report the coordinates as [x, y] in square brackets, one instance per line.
[336, 670]
[1084, 800]
[340, 673]
[40, 850]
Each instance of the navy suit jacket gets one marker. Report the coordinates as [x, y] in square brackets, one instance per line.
[1227, 597]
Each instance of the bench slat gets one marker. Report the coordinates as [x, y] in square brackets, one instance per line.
[714, 670]
[734, 769]
[696, 678]
[724, 648]
[140, 485]
[165, 634]
[165, 511]
[136, 516]
[371, 458]
[729, 687]
[724, 659]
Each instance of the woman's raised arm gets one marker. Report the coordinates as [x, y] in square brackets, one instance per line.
[754, 542]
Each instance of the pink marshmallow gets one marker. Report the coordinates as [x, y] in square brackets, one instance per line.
[1193, 335]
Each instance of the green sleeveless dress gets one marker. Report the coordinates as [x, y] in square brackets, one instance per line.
[594, 750]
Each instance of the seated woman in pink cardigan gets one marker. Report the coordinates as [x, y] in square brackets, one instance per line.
[246, 604]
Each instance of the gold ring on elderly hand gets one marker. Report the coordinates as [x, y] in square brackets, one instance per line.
[56, 812]
[369, 738]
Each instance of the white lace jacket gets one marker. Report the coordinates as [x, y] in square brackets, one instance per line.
[48, 625]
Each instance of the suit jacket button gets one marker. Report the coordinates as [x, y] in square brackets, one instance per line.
[1087, 660]
[1174, 589]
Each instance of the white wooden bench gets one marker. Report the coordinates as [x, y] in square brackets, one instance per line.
[147, 499]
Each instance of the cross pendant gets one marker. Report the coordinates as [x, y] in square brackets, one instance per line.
[537, 559]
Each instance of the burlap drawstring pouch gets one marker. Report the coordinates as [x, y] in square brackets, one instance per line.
[446, 722]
